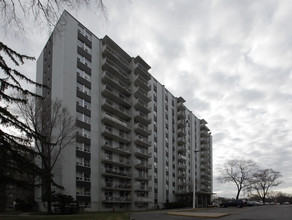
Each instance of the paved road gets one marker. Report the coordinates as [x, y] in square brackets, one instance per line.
[272, 212]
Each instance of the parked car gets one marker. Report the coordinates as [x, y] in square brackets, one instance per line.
[236, 203]
[252, 203]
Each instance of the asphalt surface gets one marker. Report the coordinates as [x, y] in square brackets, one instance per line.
[268, 212]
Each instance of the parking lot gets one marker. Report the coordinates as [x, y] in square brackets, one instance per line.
[267, 212]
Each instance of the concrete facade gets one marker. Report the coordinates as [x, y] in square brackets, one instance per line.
[137, 146]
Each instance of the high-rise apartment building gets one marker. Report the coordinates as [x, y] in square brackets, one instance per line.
[137, 146]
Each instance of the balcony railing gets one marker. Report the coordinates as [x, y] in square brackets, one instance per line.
[139, 187]
[84, 179]
[123, 74]
[142, 70]
[142, 152]
[116, 199]
[122, 99]
[143, 106]
[116, 82]
[116, 108]
[111, 119]
[142, 140]
[117, 186]
[83, 164]
[83, 194]
[181, 166]
[116, 172]
[119, 161]
[181, 157]
[142, 164]
[142, 82]
[116, 147]
[140, 128]
[143, 199]
[141, 176]
[143, 117]
[116, 134]
[108, 49]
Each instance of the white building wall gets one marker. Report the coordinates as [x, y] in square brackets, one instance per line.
[64, 87]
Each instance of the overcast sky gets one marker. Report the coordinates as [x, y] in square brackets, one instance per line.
[231, 60]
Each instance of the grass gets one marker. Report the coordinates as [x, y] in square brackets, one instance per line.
[83, 216]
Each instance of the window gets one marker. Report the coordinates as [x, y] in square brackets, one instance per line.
[83, 74]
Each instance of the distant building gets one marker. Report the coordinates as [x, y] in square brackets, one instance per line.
[135, 142]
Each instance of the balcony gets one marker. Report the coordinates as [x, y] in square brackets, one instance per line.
[204, 140]
[83, 164]
[204, 133]
[181, 123]
[205, 156]
[114, 121]
[142, 153]
[82, 179]
[205, 168]
[180, 106]
[139, 81]
[181, 192]
[145, 188]
[139, 93]
[181, 175]
[142, 177]
[182, 183]
[142, 106]
[111, 80]
[181, 149]
[117, 199]
[83, 194]
[110, 66]
[182, 166]
[181, 115]
[204, 127]
[205, 162]
[82, 148]
[116, 173]
[121, 149]
[116, 109]
[117, 186]
[142, 141]
[141, 117]
[181, 157]
[116, 134]
[181, 132]
[142, 165]
[109, 92]
[115, 161]
[142, 200]
[117, 58]
[181, 140]
[142, 129]
[141, 70]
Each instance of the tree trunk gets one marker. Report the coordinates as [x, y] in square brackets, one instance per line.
[48, 192]
[238, 192]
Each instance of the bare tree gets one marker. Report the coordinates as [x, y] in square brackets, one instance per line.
[43, 12]
[264, 180]
[238, 171]
[57, 129]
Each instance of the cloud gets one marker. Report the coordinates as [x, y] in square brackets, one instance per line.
[230, 60]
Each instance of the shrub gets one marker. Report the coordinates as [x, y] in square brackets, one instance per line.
[174, 205]
[64, 204]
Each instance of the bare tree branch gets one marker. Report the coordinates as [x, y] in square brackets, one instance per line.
[239, 172]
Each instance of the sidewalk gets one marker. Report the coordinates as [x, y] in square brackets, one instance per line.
[197, 213]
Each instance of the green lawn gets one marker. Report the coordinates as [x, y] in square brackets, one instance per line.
[83, 216]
